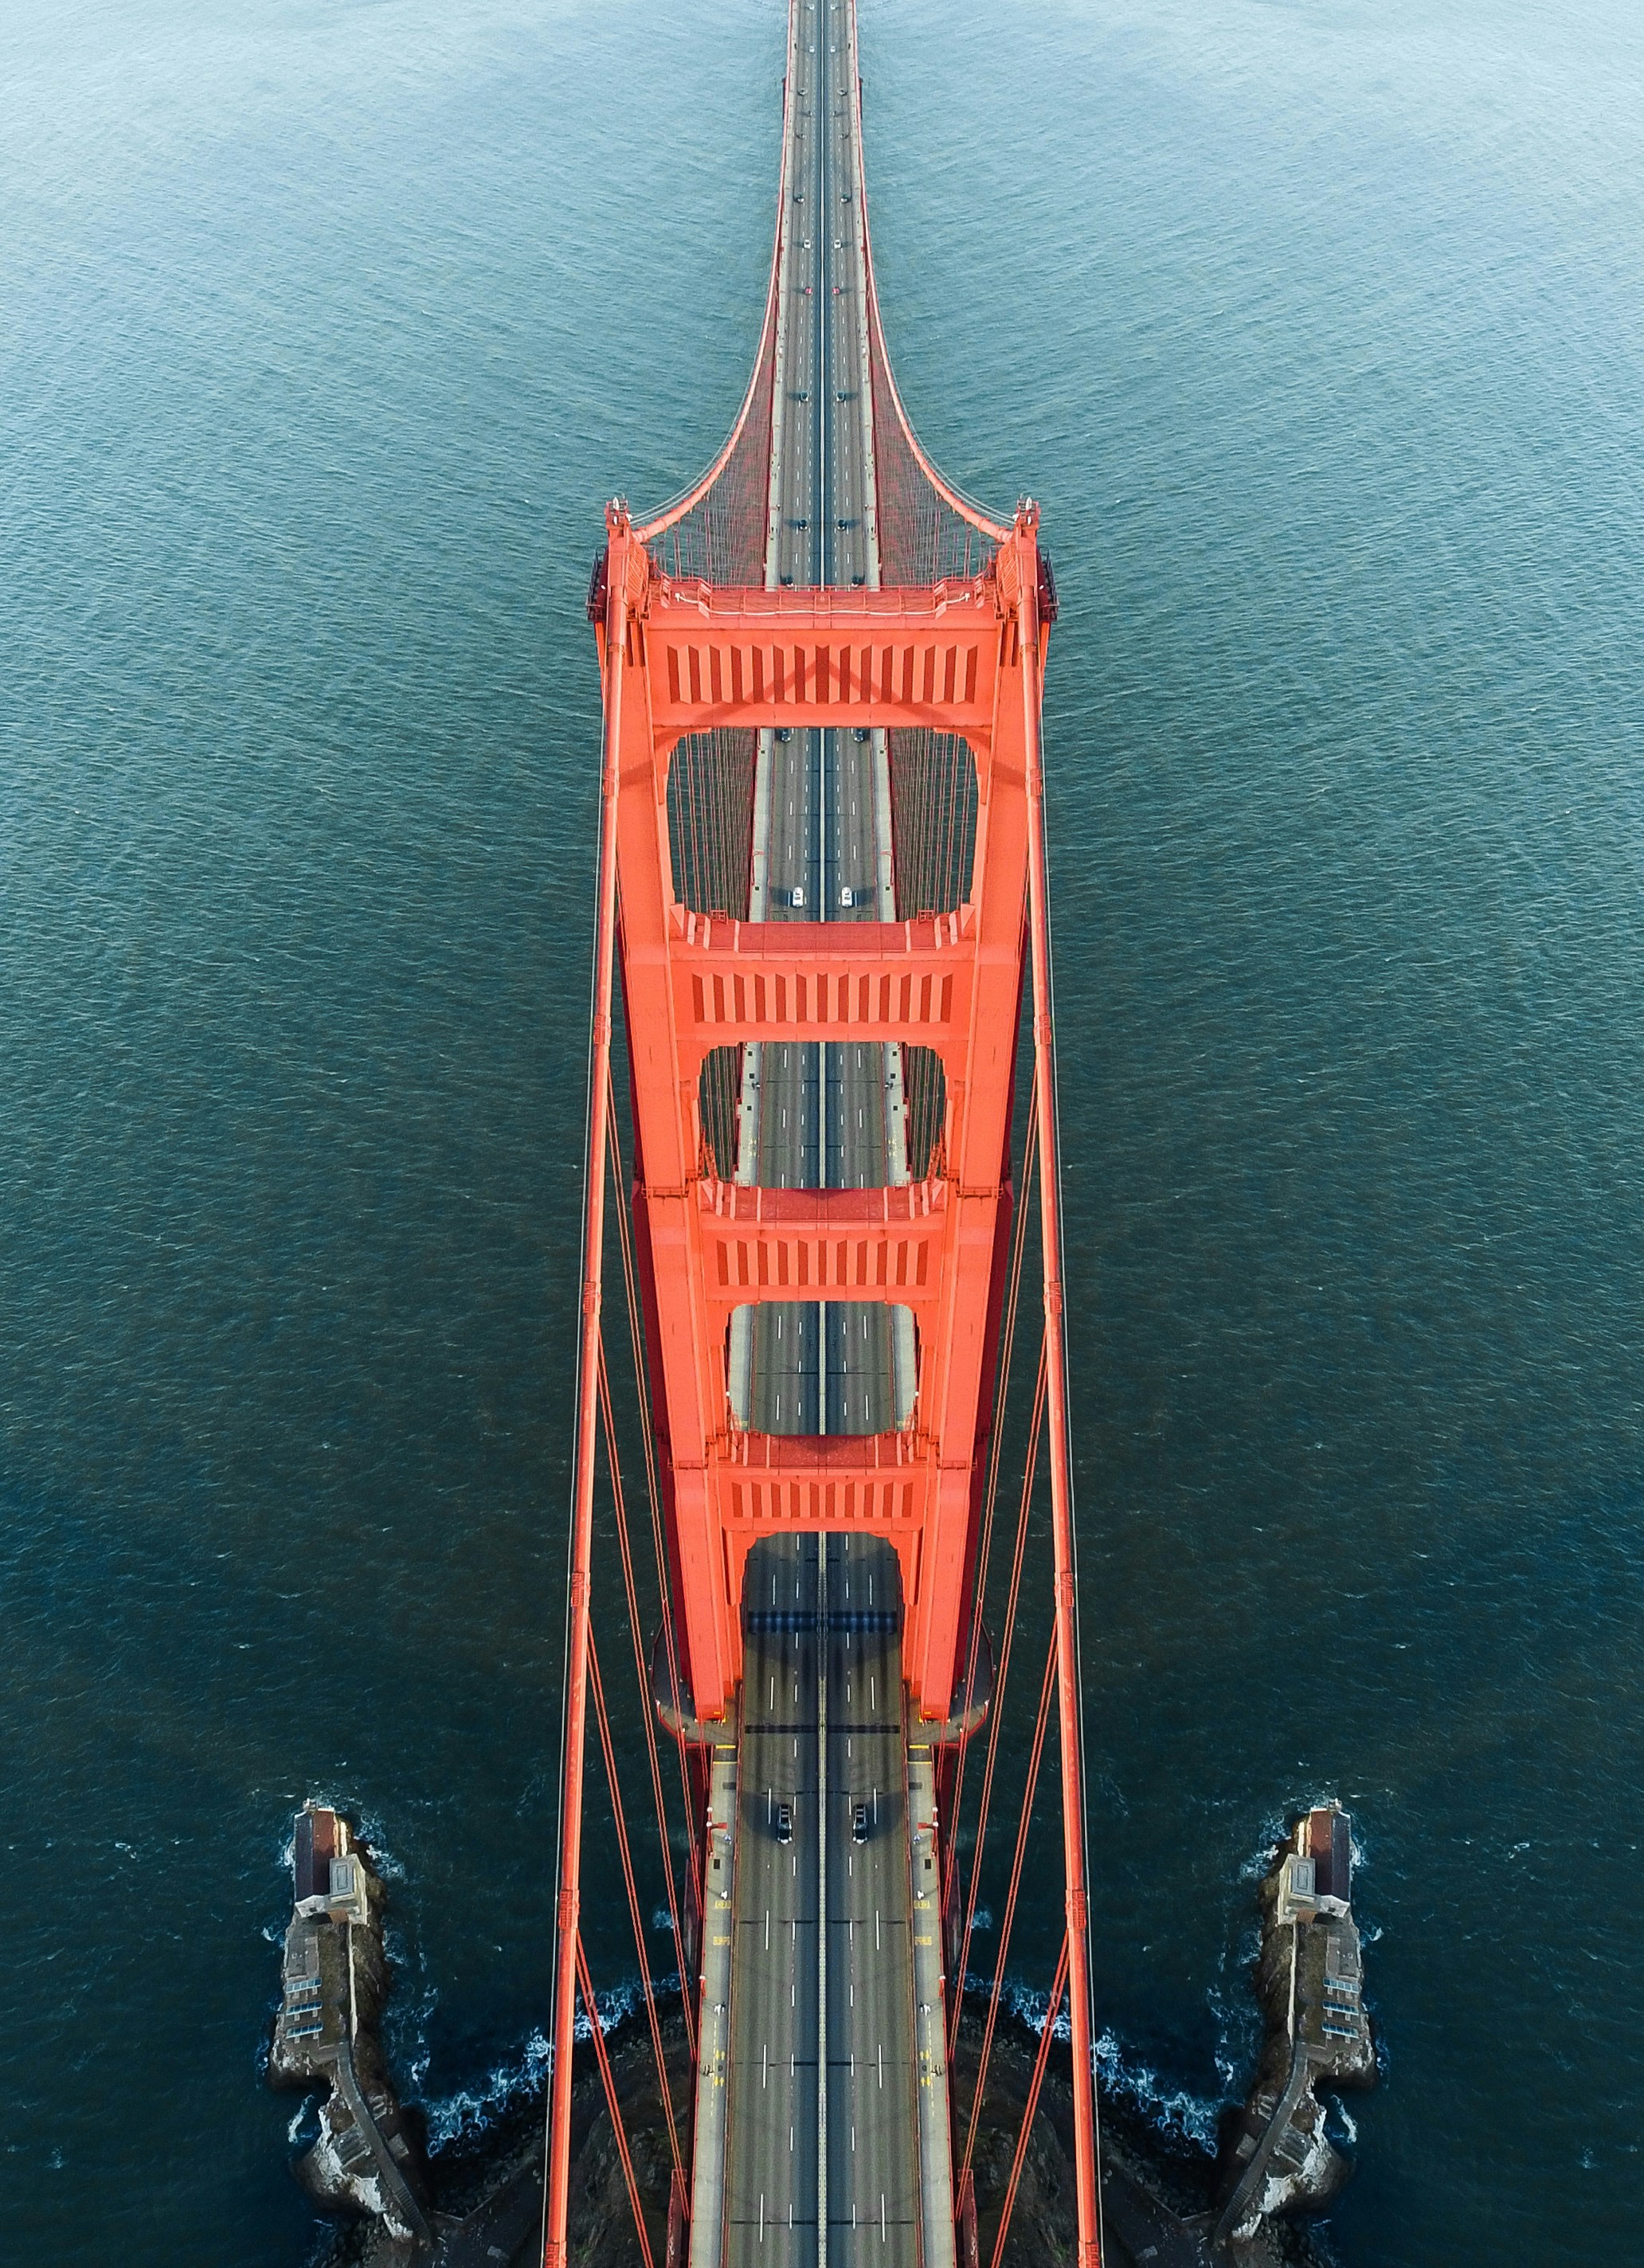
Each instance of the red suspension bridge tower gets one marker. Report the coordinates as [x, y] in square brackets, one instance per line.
[822, 896]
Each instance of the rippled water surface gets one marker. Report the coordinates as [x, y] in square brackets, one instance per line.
[1316, 327]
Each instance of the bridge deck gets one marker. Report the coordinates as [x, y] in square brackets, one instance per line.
[772, 2165]
[824, 1960]
[872, 2131]
[829, 2170]
[817, 1114]
[822, 1739]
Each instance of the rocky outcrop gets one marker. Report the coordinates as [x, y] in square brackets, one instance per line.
[1309, 1980]
[334, 1985]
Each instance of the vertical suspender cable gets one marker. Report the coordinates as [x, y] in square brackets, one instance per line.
[1040, 2061]
[1008, 1923]
[1027, 1478]
[653, 1494]
[1070, 1728]
[615, 2107]
[1019, 1237]
[601, 1717]
[576, 1692]
[647, 1715]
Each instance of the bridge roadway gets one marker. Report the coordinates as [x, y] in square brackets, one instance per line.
[821, 1683]
[828, 2173]
[821, 1118]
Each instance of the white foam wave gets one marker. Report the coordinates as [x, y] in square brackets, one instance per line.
[373, 1833]
[1238, 2025]
[410, 2014]
[1173, 2110]
[471, 2110]
[1031, 2006]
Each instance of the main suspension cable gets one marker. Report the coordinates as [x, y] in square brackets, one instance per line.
[567, 1927]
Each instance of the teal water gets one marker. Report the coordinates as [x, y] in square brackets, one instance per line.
[1316, 329]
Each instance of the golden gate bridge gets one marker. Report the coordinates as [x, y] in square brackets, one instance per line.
[822, 895]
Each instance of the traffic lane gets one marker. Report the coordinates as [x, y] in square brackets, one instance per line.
[775, 2028]
[856, 1114]
[871, 1662]
[849, 411]
[798, 550]
[861, 1387]
[823, 839]
[873, 2085]
[853, 822]
[791, 1153]
[856, 1099]
[873, 2145]
[877, 2166]
[793, 847]
[772, 2088]
[787, 1361]
[778, 1575]
[771, 2187]
[883, 2110]
[786, 1356]
[860, 1368]
[772, 2069]
[786, 1390]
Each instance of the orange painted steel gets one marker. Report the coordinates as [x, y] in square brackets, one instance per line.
[804, 981]
[601, 1717]
[695, 658]
[697, 639]
[1040, 2063]
[1068, 1691]
[1030, 1788]
[625, 1550]
[615, 2107]
[996, 1713]
[568, 1912]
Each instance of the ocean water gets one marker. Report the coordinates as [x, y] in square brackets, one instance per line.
[1316, 330]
